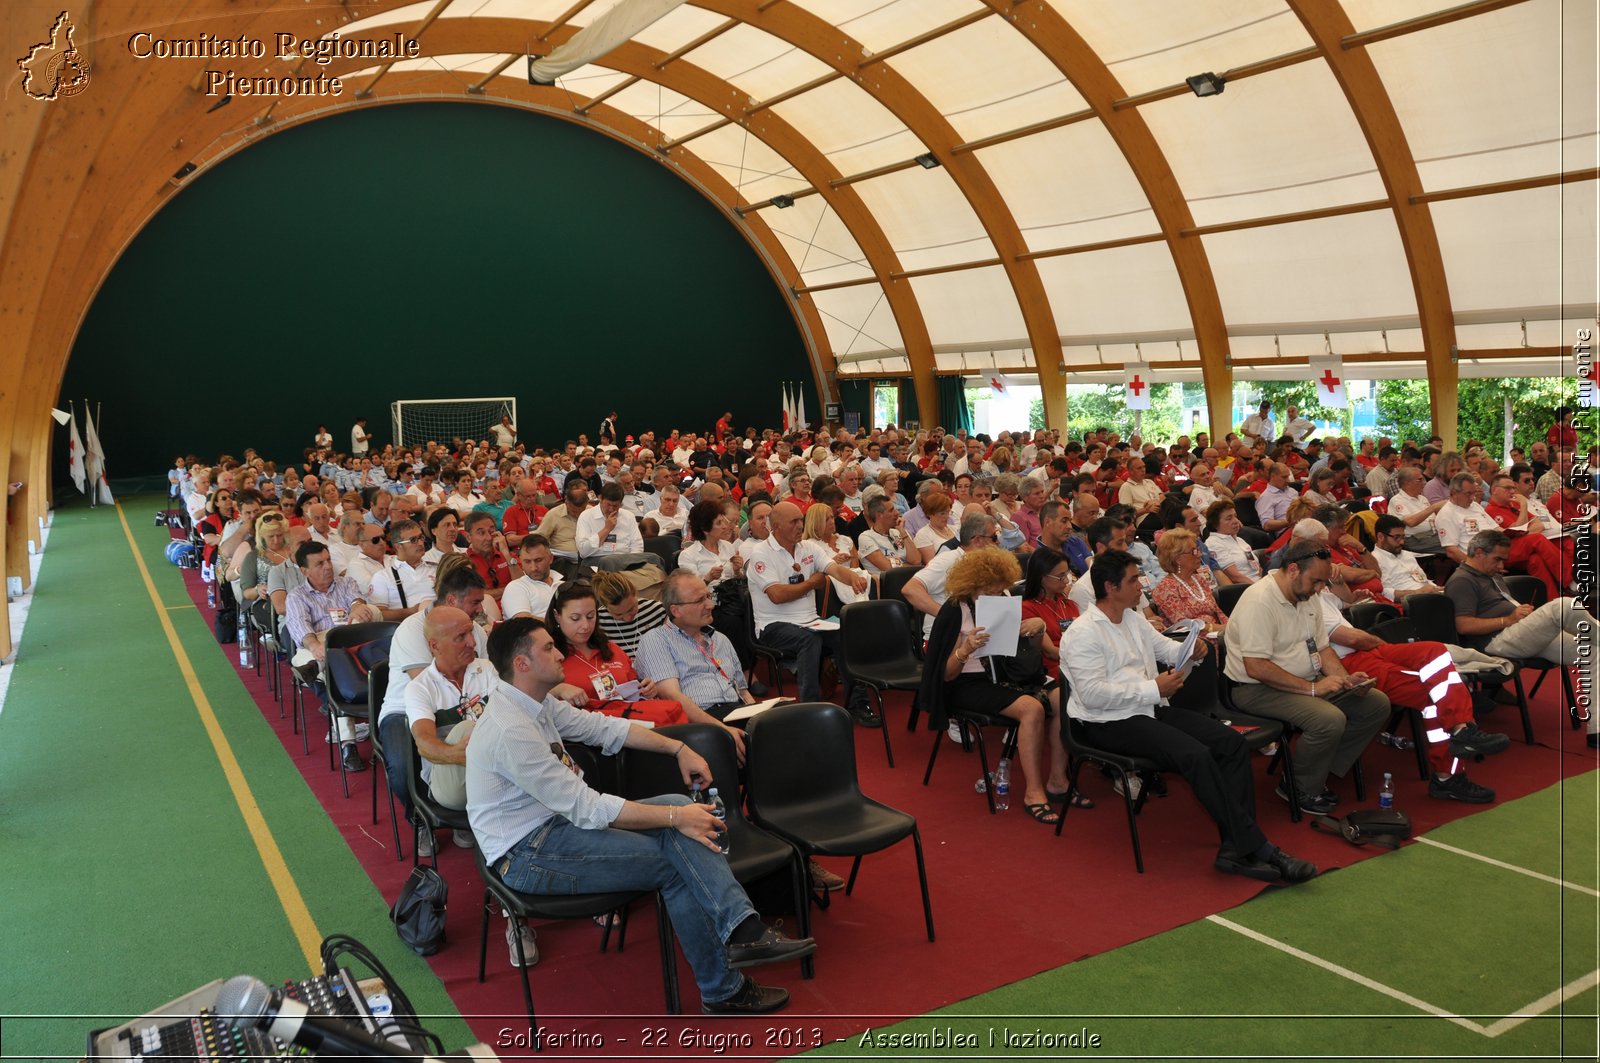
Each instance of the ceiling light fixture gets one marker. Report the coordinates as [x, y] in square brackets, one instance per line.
[1207, 84]
[928, 161]
[782, 202]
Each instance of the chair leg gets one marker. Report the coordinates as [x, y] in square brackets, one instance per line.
[983, 763]
[1522, 707]
[799, 876]
[1286, 754]
[1579, 714]
[883, 720]
[933, 755]
[376, 756]
[922, 880]
[1419, 743]
[483, 938]
[1133, 817]
[851, 885]
[1361, 780]
[1072, 788]
[669, 956]
[1537, 683]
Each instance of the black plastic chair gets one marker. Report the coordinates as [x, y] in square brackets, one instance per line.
[1260, 731]
[427, 814]
[874, 650]
[1435, 618]
[971, 725]
[352, 651]
[1228, 596]
[1386, 622]
[524, 906]
[1121, 765]
[774, 658]
[803, 786]
[377, 687]
[1530, 591]
[753, 853]
[892, 584]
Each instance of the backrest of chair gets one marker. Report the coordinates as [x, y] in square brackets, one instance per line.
[891, 585]
[601, 773]
[800, 754]
[1434, 615]
[1228, 596]
[652, 774]
[1365, 616]
[352, 651]
[873, 632]
[1529, 590]
[1244, 506]
[666, 547]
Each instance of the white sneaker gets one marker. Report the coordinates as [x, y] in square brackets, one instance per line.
[954, 731]
[530, 945]
[1135, 786]
[463, 838]
[363, 731]
[425, 847]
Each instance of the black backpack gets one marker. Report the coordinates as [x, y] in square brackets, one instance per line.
[418, 912]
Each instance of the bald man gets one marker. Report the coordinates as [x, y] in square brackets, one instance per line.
[445, 700]
[785, 574]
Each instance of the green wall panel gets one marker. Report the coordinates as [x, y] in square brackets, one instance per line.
[429, 251]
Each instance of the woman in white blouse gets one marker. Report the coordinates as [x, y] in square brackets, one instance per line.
[1234, 557]
[937, 531]
[712, 556]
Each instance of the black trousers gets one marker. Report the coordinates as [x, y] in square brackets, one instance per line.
[1209, 754]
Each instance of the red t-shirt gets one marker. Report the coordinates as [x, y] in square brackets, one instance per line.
[495, 569]
[519, 521]
[1056, 616]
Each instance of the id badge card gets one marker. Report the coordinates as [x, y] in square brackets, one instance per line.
[605, 686]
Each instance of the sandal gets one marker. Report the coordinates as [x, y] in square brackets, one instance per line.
[1079, 799]
[1043, 813]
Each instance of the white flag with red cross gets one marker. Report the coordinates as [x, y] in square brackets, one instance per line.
[1136, 391]
[1328, 375]
[998, 381]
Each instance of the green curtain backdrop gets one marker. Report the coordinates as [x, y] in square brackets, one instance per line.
[856, 395]
[956, 414]
[429, 251]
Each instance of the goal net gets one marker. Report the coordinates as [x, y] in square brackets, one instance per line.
[419, 420]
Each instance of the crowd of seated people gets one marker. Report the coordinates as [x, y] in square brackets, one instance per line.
[648, 565]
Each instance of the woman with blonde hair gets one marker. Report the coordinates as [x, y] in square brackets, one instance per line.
[1185, 594]
[624, 616]
[958, 680]
[937, 531]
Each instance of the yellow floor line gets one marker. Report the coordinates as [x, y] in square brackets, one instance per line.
[294, 905]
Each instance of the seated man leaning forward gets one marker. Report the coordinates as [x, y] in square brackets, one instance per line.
[1279, 655]
[1121, 701]
[544, 831]
[444, 702]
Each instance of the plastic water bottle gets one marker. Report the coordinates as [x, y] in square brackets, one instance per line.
[720, 810]
[1386, 795]
[211, 595]
[247, 645]
[1395, 741]
[1002, 784]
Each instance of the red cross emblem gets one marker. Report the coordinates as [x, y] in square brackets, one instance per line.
[1328, 380]
[1137, 385]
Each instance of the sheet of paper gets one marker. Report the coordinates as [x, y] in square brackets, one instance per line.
[823, 625]
[1196, 629]
[628, 691]
[744, 712]
[1001, 616]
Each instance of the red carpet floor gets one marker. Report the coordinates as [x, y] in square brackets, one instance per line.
[1009, 898]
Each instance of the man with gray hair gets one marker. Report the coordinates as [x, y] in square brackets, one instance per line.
[1416, 509]
[925, 591]
[1489, 618]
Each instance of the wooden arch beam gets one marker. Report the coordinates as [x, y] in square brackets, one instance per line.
[1047, 30]
[833, 47]
[1363, 88]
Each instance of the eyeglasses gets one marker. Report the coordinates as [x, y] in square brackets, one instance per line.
[408, 542]
[1059, 579]
[375, 539]
[695, 601]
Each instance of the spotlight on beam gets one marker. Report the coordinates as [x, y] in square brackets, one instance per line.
[1207, 84]
[783, 202]
[220, 104]
[927, 161]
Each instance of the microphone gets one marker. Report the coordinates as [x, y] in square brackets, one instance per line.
[247, 1002]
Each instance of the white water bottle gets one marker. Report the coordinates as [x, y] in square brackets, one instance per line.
[720, 810]
[1386, 795]
[1002, 784]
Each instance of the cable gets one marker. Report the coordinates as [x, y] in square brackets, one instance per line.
[403, 1014]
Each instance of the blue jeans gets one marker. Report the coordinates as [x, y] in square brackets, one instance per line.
[703, 900]
[806, 646]
[393, 736]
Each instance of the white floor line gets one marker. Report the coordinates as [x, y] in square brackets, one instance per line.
[1544, 1004]
[19, 609]
[1509, 867]
[1345, 972]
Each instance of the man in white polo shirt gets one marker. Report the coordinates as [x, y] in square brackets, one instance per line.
[784, 574]
[1415, 509]
[444, 701]
[531, 594]
[925, 591]
[405, 581]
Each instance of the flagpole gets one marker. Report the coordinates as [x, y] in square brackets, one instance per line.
[90, 476]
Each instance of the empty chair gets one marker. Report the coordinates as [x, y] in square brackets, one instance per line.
[875, 651]
[352, 651]
[803, 787]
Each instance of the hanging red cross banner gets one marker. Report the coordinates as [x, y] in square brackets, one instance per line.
[1136, 391]
[1328, 375]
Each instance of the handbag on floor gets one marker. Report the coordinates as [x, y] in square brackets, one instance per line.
[418, 912]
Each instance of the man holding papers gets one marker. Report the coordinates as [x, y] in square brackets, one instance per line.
[1110, 655]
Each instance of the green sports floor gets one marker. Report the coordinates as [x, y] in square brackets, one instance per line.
[155, 835]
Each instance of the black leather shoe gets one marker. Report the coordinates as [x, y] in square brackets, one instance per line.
[770, 947]
[751, 999]
[352, 759]
[863, 714]
[1249, 867]
[1293, 869]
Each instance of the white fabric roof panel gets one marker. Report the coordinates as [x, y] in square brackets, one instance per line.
[674, 114]
[1150, 44]
[759, 64]
[850, 127]
[880, 24]
[858, 319]
[1534, 248]
[975, 306]
[1276, 143]
[670, 32]
[1069, 186]
[749, 163]
[1313, 272]
[927, 219]
[986, 79]
[1118, 291]
[1481, 99]
[822, 247]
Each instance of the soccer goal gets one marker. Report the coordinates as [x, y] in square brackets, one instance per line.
[419, 420]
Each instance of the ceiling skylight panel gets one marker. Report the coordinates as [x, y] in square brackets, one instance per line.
[1069, 186]
[1534, 248]
[1280, 142]
[1490, 98]
[926, 218]
[971, 307]
[1318, 274]
[880, 24]
[1120, 291]
[987, 78]
[1150, 44]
